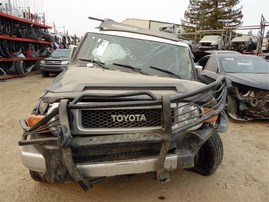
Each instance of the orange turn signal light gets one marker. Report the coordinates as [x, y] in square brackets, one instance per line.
[34, 119]
[209, 111]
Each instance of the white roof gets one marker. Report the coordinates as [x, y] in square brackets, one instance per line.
[138, 36]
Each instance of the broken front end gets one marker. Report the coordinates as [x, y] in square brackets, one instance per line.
[248, 103]
[95, 136]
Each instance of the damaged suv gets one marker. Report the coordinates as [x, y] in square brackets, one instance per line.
[128, 103]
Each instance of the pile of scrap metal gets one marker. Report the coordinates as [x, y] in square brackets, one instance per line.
[25, 39]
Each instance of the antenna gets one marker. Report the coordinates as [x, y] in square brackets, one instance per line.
[98, 19]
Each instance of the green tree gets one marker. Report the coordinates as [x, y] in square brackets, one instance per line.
[212, 15]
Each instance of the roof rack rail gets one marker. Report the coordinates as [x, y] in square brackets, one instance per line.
[110, 25]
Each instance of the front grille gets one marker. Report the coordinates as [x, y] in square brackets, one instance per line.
[129, 118]
[53, 62]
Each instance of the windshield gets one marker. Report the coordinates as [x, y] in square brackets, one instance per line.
[242, 64]
[137, 53]
[61, 53]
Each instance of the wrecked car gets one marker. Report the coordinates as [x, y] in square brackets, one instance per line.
[128, 103]
[247, 83]
[243, 44]
[210, 42]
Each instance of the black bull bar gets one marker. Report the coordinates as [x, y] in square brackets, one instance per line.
[212, 96]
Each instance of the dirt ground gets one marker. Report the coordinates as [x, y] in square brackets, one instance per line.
[242, 176]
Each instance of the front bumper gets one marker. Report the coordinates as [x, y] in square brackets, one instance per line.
[34, 158]
[176, 148]
[35, 161]
[53, 68]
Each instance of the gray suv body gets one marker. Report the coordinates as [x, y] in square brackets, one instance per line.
[128, 103]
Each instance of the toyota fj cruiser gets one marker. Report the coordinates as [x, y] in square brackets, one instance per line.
[128, 103]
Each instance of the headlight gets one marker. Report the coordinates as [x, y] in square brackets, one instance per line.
[54, 122]
[51, 125]
[42, 62]
[186, 113]
[190, 111]
[64, 62]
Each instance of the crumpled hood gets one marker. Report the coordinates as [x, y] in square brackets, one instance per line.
[97, 80]
[260, 81]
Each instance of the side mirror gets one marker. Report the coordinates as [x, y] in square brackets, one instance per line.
[218, 70]
[73, 50]
[198, 69]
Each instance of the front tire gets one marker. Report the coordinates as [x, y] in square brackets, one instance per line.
[210, 156]
[45, 74]
[35, 176]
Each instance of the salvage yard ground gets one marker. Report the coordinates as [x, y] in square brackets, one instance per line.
[243, 175]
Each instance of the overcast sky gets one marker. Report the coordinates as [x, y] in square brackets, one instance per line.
[73, 15]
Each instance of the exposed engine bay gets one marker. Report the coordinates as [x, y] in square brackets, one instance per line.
[249, 103]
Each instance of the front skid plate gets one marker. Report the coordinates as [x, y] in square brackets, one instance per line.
[124, 167]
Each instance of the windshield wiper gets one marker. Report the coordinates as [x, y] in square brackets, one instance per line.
[136, 69]
[166, 71]
[101, 64]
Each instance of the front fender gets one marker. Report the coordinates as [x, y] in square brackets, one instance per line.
[222, 122]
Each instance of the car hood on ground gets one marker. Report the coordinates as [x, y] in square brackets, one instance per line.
[260, 81]
[96, 80]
